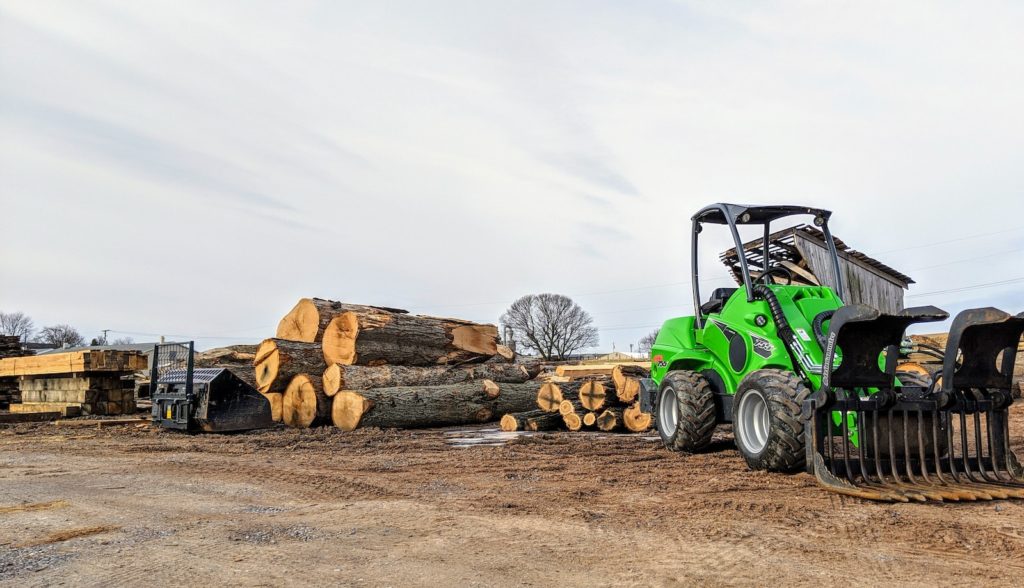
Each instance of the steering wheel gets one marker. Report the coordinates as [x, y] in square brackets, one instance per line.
[776, 270]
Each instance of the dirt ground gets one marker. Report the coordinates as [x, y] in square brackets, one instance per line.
[131, 506]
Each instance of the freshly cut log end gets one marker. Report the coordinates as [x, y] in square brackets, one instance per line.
[627, 381]
[609, 419]
[275, 399]
[509, 423]
[572, 421]
[339, 339]
[589, 419]
[333, 379]
[304, 403]
[504, 352]
[301, 323]
[277, 361]
[491, 389]
[347, 410]
[549, 397]
[593, 395]
[636, 420]
[566, 407]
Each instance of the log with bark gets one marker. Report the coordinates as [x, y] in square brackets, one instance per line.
[357, 377]
[279, 360]
[609, 419]
[374, 336]
[635, 420]
[589, 419]
[308, 319]
[533, 420]
[595, 394]
[304, 403]
[572, 421]
[550, 395]
[626, 378]
[411, 407]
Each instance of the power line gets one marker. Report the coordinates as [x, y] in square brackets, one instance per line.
[967, 288]
[968, 237]
[963, 260]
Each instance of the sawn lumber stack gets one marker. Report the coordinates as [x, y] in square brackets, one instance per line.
[92, 382]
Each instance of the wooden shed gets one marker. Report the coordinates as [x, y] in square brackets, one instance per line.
[802, 250]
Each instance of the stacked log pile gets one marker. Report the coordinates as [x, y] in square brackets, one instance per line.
[351, 366]
[82, 382]
[601, 397]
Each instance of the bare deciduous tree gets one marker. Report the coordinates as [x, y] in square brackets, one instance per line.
[61, 335]
[550, 324]
[16, 323]
[123, 341]
[647, 341]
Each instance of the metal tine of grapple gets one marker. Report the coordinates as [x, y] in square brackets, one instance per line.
[861, 430]
[847, 470]
[961, 492]
[897, 482]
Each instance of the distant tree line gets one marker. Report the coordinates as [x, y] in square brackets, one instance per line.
[59, 335]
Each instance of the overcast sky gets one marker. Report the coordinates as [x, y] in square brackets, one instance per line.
[193, 168]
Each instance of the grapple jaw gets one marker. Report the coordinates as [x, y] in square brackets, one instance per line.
[872, 437]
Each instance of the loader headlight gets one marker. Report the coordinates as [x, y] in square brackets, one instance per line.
[819, 221]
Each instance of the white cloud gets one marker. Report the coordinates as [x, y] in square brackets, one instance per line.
[193, 168]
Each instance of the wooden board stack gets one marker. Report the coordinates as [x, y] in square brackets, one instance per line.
[602, 397]
[351, 366]
[10, 346]
[75, 383]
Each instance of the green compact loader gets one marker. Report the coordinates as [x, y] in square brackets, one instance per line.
[810, 383]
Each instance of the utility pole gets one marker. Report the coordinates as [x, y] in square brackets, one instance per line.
[105, 331]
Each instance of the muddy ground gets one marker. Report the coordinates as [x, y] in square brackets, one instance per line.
[134, 506]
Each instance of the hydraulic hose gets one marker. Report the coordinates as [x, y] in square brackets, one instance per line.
[781, 322]
[818, 327]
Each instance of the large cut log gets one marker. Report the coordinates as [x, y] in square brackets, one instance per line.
[551, 395]
[376, 337]
[533, 420]
[279, 360]
[609, 419]
[635, 420]
[276, 400]
[360, 377]
[304, 403]
[412, 407]
[626, 378]
[596, 394]
[308, 319]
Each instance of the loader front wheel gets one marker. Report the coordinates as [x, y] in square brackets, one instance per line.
[766, 420]
[685, 412]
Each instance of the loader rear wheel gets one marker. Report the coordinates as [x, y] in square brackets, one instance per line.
[685, 412]
[766, 420]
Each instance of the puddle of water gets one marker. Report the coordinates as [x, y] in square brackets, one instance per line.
[481, 437]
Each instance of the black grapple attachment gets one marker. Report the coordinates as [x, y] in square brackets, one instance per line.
[871, 436]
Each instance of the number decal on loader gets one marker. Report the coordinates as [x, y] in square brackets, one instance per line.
[762, 346]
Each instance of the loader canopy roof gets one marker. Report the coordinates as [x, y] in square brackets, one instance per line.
[743, 214]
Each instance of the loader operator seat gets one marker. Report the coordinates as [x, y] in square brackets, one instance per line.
[717, 301]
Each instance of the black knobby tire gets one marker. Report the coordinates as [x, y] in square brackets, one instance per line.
[783, 394]
[691, 399]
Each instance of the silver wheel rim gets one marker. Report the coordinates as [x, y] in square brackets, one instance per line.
[752, 421]
[668, 412]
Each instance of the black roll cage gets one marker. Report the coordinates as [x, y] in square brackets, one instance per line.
[740, 214]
